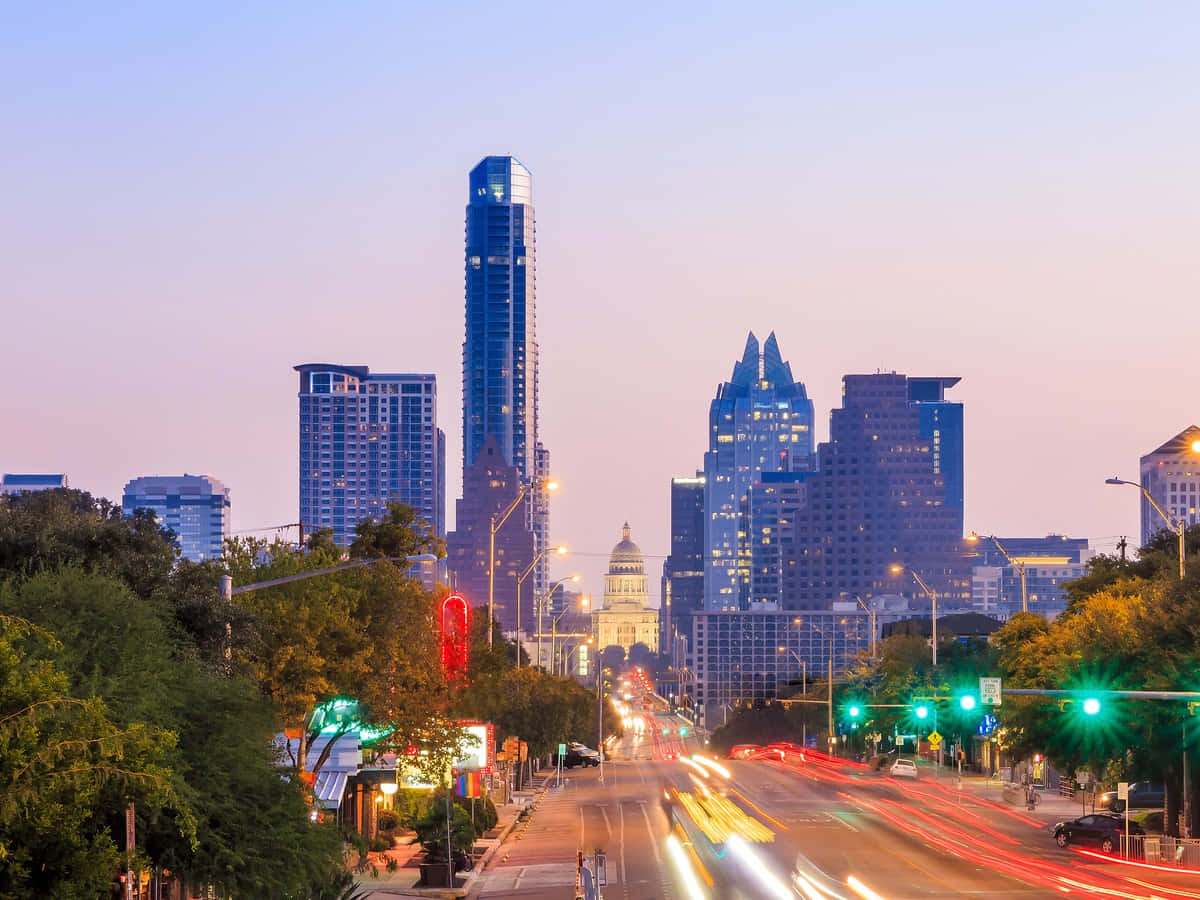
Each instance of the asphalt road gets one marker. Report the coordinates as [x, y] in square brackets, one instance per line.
[824, 829]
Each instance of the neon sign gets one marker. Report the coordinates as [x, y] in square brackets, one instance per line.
[456, 621]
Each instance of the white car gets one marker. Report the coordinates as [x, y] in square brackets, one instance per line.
[903, 768]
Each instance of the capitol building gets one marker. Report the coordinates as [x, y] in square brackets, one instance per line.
[626, 617]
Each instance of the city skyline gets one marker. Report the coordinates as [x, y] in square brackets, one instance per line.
[943, 211]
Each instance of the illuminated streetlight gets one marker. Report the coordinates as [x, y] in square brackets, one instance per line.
[1178, 527]
[896, 569]
[560, 550]
[496, 522]
[1019, 564]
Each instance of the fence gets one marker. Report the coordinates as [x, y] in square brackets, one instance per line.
[1162, 850]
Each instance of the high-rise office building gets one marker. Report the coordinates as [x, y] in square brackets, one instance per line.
[366, 440]
[683, 569]
[760, 421]
[195, 507]
[19, 483]
[769, 512]
[490, 484]
[1172, 476]
[500, 352]
[883, 496]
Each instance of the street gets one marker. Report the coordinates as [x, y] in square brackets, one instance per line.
[804, 826]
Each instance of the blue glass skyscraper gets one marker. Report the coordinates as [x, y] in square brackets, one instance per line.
[760, 421]
[500, 352]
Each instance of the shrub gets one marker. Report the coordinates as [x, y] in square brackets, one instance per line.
[431, 829]
[380, 843]
[481, 810]
[393, 864]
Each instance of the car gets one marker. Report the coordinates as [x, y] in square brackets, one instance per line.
[1142, 795]
[573, 758]
[903, 768]
[1104, 829]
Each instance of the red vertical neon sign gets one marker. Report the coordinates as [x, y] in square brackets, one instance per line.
[456, 620]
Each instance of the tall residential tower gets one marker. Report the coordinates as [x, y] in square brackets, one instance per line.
[367, 439]
[500, 351]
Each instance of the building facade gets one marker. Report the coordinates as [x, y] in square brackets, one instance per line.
[19, 483]
[490, 484]
[885, 494]
[747, 657]
[366, 440]
[1049, 563]
[769, 512]
[195, 507]
[500, 350]
[683, 570]
[760, 421]
[626, 618]
[1172, 476]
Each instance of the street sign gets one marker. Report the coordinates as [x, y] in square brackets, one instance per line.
[1122, 790]
[934, 739]
[989, 691]
[562, 749]
[601, 869]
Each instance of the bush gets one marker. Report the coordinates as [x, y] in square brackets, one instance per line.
[431, 829]
[392, 864]
[481, 810]
[409, 804]
[380, 843]
[389, 821]
[358, 842]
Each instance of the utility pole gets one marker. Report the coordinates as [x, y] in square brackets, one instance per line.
[831, 736]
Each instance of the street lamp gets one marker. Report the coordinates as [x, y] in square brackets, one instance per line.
[561, 551]
[1175, 526]
[583, 603]
[496, 522]
[870, 610]
[896, 570]
[1018, 563]
[803, 669]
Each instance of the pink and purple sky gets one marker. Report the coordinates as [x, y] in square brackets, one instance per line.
[200, 196]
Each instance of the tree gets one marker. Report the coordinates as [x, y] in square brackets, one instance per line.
[399, 533]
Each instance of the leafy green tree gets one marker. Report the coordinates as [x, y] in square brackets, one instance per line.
[45, 530]
[399, 533]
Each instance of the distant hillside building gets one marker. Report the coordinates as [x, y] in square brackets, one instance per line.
[195, 507]
[626, 617]
[1172, 476]
[15, 483]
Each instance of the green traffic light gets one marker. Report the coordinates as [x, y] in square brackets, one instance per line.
[683, 732]
[922, 712]
[854, 711]
[967, 702]
[1091, 706]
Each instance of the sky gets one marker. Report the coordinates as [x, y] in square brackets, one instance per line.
[198, 197]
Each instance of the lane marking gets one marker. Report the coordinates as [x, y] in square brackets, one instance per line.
[607, 823]
[520, 875]
[621, 811]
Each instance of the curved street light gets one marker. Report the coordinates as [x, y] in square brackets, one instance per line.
[496, 521]
[1177, 527]
[896, 570]
[1019, 564]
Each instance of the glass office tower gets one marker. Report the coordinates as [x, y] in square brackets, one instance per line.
[500, 352]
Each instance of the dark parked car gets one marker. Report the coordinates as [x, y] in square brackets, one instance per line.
[1142, 795]
[573, 758]
[1104, 829]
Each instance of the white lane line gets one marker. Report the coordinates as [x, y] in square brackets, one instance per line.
[520, 875]
[650, 831]
[607, 823]
[621, 810]
[581, 831]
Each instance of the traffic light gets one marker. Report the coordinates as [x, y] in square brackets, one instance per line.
[854, 712]
[1091, 706]
[966, 701]
[683, 731]
[921, 711]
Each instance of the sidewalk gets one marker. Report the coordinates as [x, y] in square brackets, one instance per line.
[403, 881]
[1051, 807]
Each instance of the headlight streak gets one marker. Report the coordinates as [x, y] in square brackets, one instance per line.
[683, 866]
[757, 866]
[861, 889]
[711, 764]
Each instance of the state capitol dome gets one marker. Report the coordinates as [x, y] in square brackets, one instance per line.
[626, 558]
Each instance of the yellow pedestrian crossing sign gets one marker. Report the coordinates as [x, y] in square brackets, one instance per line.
[934, 739]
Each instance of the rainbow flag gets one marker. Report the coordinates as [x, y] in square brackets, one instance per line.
[469, 784]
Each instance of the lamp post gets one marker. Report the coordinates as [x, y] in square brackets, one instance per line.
[496, 522]
[803, 669]
[870, 611]
[1178, 527]
[561, 551]
[583, 603]
[1019, 564]
[896, 570]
